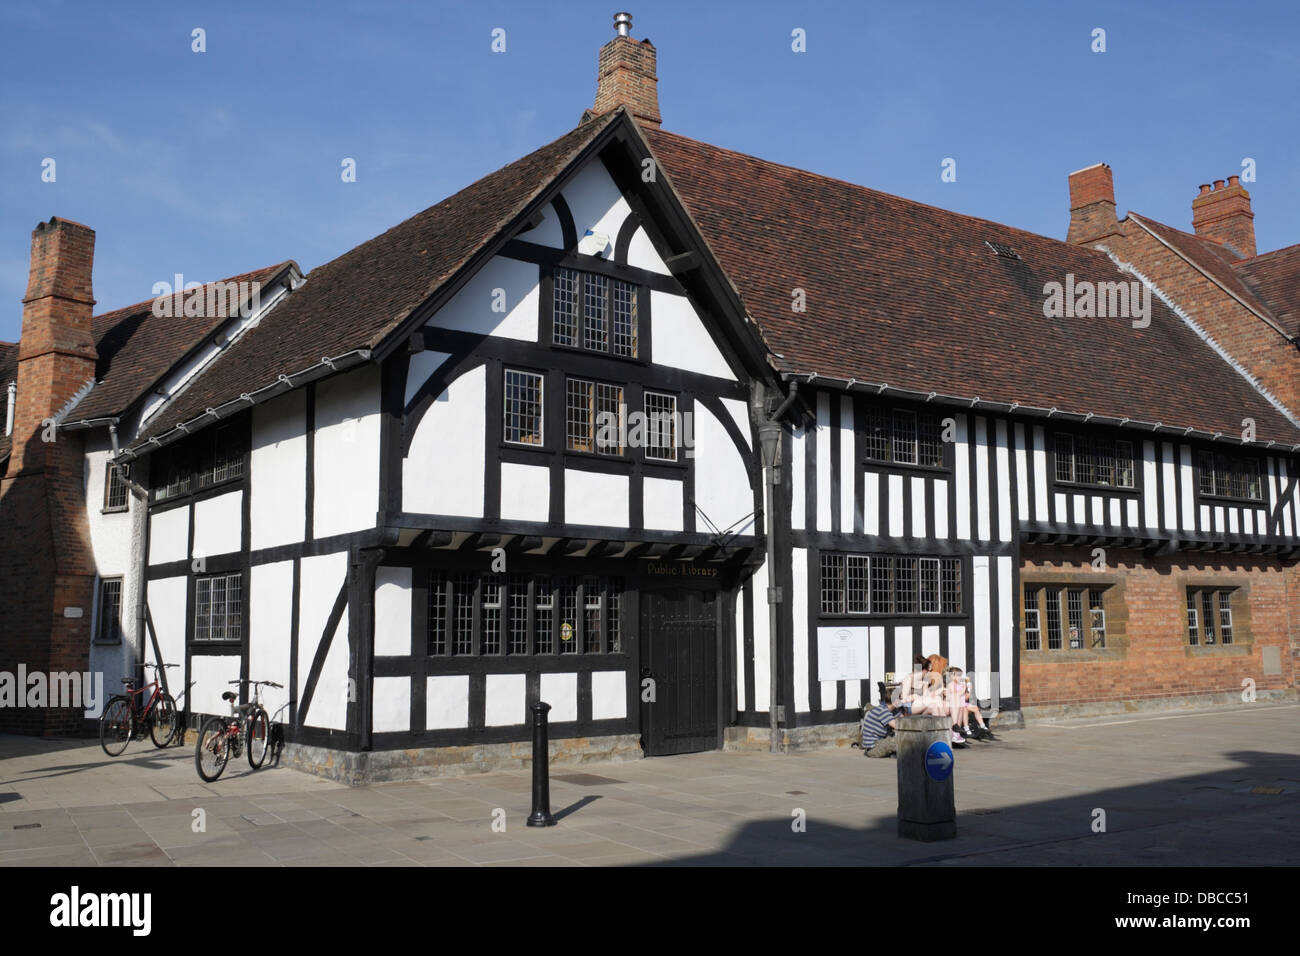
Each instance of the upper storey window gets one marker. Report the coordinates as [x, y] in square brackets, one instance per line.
[903, 436]
[1085, 460]
[1229, 476]
[594, 313]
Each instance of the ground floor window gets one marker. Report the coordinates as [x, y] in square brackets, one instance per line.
[889, 584]
[523, 614]
[218, 608]
[1209, 616]
[110, 612]
[1057, 618]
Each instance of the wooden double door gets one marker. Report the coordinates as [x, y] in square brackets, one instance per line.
[679, 655]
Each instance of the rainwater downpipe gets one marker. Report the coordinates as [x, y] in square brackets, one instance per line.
[770, 440]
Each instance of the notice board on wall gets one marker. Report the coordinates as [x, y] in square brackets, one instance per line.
[842, 653]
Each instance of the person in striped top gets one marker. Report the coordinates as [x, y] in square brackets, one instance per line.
[876, 725]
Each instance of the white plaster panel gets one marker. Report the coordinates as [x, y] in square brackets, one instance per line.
[721, 481]
[421, 366]
[447, 702]
[270, 630]
[595, 202]
[434, 482]
[169, 535]
[211, 674]
[320, 579]
[347, 453]
[167, 609]
[277, 506]
[392, 611]
[797, 479]
[642, 254]
[391, 707]
[801, 637]
[505, 700]
[217, 525]
[662, 503]
[609, 694]
[561, 692]
[501, 299]
[591, 498]
[525, 492]
[681, 340]
[824, 502]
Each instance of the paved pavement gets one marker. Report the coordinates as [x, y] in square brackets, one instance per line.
[1207, 788]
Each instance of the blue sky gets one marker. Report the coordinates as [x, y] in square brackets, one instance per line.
[211, 164]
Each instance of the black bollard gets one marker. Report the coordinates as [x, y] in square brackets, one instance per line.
[541, 815]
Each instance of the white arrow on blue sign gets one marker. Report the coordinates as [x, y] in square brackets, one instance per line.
[938, 760]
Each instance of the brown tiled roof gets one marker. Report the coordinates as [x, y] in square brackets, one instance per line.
[910, 295]
[137, 348]
[8, 373]
[1274, 277]
[357, 300]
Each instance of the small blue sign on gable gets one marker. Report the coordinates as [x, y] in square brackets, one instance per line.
[938, 760]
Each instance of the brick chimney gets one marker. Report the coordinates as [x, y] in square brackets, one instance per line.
[1223, 214]
[1092, 205]
[626, 76]
[47, 568]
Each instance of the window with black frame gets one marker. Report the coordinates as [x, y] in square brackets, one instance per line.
[902, 436]
[890, 585]
[594, 312]
[218, 608]
[1209, 616]
[1229, 476]
[1063, 617]
[1083, 459]
[109, 630]
[487, 614]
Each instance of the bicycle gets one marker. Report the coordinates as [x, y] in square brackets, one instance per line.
[124, 719]
[247, 726]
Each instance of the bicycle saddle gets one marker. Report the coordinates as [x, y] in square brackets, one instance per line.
[128, 681]
[228, 695]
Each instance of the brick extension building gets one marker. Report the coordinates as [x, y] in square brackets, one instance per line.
[955, 471]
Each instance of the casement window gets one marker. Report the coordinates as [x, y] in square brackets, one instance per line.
[885, 584]
[594, 312]
[1088, 460]
[212, 457]
[1209, 616]
[903, 436]
[594, 416]
[1073, 617]
[661, 426]
[109, 630]
[1228, 476]
[115, 491]
[523, 614]
[522, 408]
[218, 608]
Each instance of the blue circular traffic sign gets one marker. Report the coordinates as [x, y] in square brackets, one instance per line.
[938, 760]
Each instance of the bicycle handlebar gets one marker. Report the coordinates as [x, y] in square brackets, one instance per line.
[264, 683]
[155, 666]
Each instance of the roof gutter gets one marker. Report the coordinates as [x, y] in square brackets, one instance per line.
[326, 366]
[1029, 411]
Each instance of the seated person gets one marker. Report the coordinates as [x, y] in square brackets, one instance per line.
[876, 725]
[960, 690]
[908, 693]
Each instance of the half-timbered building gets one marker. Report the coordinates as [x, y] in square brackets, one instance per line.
[694, 447]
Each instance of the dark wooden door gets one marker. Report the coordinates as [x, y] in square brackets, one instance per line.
[679, 652]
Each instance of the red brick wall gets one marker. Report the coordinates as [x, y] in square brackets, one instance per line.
[1154, 661]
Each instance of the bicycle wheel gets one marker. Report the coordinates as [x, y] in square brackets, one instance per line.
[212, 752]
[116, 726]
[166, 721]
[259, 737]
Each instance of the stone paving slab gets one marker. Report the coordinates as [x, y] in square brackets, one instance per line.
[1200, 788]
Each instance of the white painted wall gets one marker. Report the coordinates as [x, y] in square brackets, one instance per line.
[446, 702]
[721, 481]
[270, 632]
[217, 525]
[501, 299]
[392, 611]
[391, 705]
[212, 674]
[591, 498]
[662, 504]
[320, 578]
[505, 703]
[801, 636]
[525, 492]
[561, 692]
[278, 472]
[169, 535]
[420, 367]
[167, 609]
[680, 339]
[641, 254]
[595, 203]
[435, 482]
[347, 452]
[609, 694]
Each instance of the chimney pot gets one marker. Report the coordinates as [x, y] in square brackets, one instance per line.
[1232, 180]
[1205, 188]
[627, 76]
[1218, 184]
[623, 24]
[1223, 215]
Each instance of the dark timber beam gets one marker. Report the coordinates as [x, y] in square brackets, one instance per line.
[683, 262]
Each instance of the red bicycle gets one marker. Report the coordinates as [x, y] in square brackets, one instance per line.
[124, 719]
